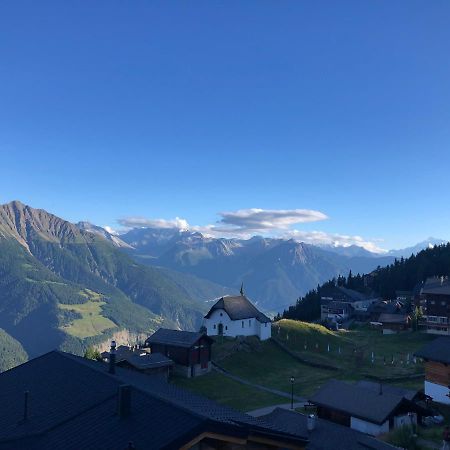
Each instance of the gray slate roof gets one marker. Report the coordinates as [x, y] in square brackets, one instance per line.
[357, 401]
[437, 286]
[149, 361]
[437, 350]
[326, 435]
[238, 307]
[138, 358]
[409, 394]
[175, 337]
[73, 403]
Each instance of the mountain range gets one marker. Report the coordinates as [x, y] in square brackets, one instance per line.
[273, 271]
[65, 285]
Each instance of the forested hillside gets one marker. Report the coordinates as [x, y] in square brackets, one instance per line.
[402, 274]
[11, 352]
[62, 287]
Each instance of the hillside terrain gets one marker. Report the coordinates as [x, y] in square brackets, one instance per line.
[345, 355]
[275, 272]
[65, 287]
[11, 352]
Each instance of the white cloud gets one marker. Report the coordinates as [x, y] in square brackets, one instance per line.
[334, 239]
[141, 222]
[269, 219]
[245, 223]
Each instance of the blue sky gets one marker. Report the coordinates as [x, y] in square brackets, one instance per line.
[164, 109]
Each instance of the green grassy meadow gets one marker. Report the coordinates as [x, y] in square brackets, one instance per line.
[92, 322]
[229, 392]
[350, 352]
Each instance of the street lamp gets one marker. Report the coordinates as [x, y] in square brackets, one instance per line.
[292, 392]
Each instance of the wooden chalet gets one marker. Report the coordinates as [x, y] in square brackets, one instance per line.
[190, 351]
[394, 323]
[436, 355]
[362, 408]
[435, 302]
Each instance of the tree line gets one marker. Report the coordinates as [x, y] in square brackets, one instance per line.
[405, 274]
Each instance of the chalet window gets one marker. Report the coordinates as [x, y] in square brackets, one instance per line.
[432, 302]
[443, 303]
[242, 324]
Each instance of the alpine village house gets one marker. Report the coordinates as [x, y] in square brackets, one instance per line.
[237, 316]
[435, 303]
[436, 355]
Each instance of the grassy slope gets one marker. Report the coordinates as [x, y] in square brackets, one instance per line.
[356, 347]
[91, 323]
[265, 364]
[229, 392]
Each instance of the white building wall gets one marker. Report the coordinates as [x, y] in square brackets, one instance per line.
[368, 427]
[405, 420]
[437, 392]
[233, 328]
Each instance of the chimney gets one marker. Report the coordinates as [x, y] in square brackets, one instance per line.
[112, 358]
[124, 400]
[311, 422]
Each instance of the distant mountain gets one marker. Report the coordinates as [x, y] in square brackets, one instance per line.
[89, 227]
[352, 251]
[274, 271]
[407, 252]
[64, 287]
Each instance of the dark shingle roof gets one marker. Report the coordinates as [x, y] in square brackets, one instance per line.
[409, 394]
[437, 286]
[175, 337]
[73, 405]
[357, 401]
[148, 361]
[437, 350]
[138, 358]
[326, 435]
[238, 307]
